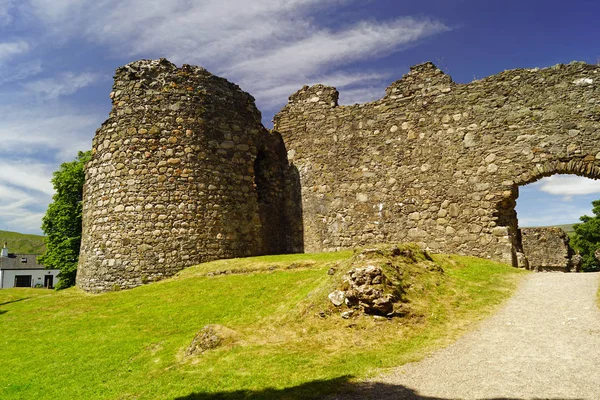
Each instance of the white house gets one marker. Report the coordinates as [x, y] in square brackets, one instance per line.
[23, 270]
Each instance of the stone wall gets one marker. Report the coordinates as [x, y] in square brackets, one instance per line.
[182, 172]
[436, 162]
[547, 249]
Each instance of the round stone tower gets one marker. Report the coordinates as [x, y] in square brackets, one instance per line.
[182, 172]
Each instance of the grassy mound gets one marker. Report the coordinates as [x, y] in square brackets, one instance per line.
[284, 343]
[23, 243]
[386, 280]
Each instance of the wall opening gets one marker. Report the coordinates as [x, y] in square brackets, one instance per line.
[544, 212]
[269, 184]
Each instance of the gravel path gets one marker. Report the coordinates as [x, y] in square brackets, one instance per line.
[544, 344]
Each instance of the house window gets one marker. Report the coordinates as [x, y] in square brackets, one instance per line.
[23, 260]
[23, 281]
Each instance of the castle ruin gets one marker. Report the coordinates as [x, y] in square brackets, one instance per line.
[548, 249]
[184, 172]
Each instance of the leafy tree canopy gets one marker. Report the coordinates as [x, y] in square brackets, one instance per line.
[587, 238]
[62, 222]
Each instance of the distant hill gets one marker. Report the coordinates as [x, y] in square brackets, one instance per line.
[568, 228]
[22, 243]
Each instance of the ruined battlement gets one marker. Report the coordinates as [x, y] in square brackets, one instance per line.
[184, 172]
[437, 162]
[422, 80]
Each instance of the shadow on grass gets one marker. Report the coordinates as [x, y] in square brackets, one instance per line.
[310, 390]
[13, 301]
[334, 389]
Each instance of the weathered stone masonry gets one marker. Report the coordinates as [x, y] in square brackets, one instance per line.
[184, 172]
[548, 249]
[437, 162]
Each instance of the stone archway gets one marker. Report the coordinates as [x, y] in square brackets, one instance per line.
[505, 209]
[436, 162]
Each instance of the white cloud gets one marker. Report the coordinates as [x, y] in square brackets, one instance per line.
[22, 173]
[34, 141]
[58, 132]
[362, 95]
[262, 45]
[273, 94]
[325, 49]
[556, 214]
[63, 85]
[25, 190]
[18, 72]
[6, 7]
[555, 200]
[17, 208]
[568, 185]
[8, 50]
[271, 48]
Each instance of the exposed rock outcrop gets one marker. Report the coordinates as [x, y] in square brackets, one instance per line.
[377, 279]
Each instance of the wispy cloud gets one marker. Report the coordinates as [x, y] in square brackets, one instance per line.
[14, 73]
[362, 94]
[323, 49]
[57, 133]
[65, 84]
[271, 48]
[20, 209]
[25, 191]
[6, 6]
[262, 45]
[273, 94]
[568, 185]
[35, 176]
[8, 50]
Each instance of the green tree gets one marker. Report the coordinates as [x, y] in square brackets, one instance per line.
[587, 238]
[62, 221]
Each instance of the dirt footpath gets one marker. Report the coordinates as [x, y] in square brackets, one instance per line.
[544, 344]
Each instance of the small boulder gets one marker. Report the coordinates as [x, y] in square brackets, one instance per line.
[337, 297]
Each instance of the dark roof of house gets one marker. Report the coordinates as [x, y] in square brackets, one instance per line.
[20, 261]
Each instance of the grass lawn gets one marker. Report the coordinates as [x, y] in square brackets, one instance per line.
[130, 344]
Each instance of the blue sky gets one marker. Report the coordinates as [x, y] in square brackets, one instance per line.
[57, 58]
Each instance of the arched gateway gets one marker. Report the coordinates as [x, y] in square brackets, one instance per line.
[437, 162]
[183, 171]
